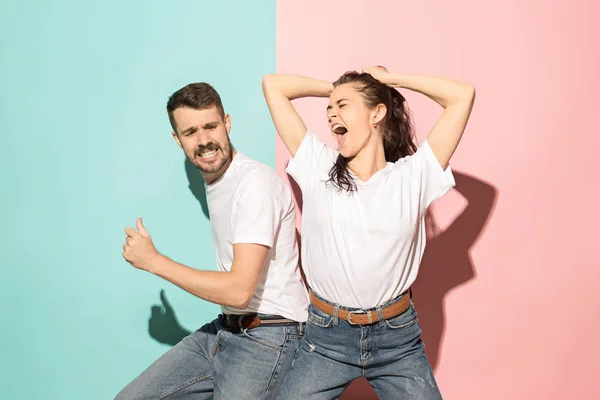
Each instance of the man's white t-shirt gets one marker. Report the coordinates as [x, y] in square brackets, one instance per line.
[249, 203]
[364, 248]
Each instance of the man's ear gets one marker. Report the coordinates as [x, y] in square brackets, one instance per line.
[227, 120]
[176, 137]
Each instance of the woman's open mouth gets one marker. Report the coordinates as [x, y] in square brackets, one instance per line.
[340, 132]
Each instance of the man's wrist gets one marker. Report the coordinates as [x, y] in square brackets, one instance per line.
[155, 263]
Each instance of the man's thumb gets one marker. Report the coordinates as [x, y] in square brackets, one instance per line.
[141, 229]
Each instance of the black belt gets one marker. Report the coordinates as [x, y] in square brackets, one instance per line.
[249, 321]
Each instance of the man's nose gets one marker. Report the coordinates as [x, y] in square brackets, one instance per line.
[203, 138]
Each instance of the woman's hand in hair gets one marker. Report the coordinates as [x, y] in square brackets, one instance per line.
[378, 72]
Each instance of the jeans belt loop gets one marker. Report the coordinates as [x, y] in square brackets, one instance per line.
[335, 315]
[381, 319]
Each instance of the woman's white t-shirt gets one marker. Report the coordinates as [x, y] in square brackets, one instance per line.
[362, 249]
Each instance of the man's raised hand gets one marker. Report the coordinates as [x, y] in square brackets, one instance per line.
[138, 249]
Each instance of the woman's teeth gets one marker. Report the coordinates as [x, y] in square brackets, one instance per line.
[338, 129]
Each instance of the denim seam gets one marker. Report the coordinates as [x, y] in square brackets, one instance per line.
[277, 367]
[183, 386]
[218, 343]
[362, 361]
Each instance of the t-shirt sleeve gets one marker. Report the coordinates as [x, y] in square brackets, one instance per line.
[311, 155]
[257, 212]
[429, 180]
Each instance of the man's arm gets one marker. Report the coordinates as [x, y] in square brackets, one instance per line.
[234, 288]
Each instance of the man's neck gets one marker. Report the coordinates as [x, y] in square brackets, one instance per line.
[210, 178]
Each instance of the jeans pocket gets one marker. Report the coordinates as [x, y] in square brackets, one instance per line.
[271, 337]
[319, 318]
[407, 319]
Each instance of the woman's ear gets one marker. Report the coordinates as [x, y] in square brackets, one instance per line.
[378, 114]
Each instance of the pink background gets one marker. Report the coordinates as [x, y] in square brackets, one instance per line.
[507, 294]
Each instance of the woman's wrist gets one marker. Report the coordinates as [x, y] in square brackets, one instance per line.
[297, 86]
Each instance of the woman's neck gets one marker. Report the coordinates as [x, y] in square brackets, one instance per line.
[368, 161]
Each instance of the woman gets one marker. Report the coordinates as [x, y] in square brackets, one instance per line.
[363, 226]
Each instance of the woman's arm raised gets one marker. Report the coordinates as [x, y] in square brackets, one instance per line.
[279, 90]
[457, 98]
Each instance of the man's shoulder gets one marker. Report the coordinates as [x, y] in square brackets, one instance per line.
[258, 180]
[252, 172]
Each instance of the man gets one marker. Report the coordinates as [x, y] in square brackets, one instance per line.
[245, 352]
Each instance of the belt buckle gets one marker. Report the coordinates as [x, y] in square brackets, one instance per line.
[253, 324]
[358, 312]
[242, 322]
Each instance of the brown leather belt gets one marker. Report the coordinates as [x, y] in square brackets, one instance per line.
[249, 321]
[363, 317]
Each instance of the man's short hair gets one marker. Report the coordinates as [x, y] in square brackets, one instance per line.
[198, 96]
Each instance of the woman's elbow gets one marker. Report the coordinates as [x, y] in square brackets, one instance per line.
[268, 81]
[469, 92]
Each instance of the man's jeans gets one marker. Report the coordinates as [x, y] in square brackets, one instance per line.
[389, 353]
[216, 361]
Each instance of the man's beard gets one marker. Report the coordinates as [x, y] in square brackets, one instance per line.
[216, 165]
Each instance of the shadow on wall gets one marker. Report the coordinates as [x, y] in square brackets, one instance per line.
[163, 325]
[447, 261]
[446, 264]
[196, 185]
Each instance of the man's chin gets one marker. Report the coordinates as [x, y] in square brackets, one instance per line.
[211, 167]
[208, 168]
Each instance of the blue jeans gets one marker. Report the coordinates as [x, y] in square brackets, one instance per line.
[217, 361]
[388, 353]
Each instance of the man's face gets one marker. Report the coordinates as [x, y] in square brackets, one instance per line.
[204, 137]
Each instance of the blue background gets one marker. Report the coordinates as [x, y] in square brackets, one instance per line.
[86, 148]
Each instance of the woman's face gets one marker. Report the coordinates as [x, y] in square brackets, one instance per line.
[350, 120]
